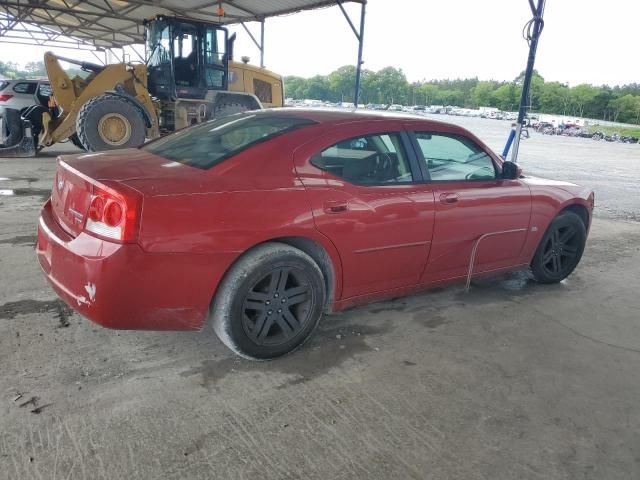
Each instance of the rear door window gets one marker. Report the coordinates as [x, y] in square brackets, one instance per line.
[368, 160]
[28, 88]
[210, 143]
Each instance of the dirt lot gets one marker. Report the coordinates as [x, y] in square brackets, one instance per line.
[512, 380]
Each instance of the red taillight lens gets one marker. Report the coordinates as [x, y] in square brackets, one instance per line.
[96, 209]
[114, 212]
[4, 98]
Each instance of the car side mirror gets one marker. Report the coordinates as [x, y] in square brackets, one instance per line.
[510, 170]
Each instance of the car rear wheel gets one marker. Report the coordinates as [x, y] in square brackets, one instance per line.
[560, 249]
[12, 125]
[269, 302]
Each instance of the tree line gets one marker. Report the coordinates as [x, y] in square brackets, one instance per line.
[11, 70]
[390, 85]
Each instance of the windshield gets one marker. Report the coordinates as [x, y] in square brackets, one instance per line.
[206, 145]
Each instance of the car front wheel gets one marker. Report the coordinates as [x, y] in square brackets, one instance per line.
[269, 302]
[560, 249]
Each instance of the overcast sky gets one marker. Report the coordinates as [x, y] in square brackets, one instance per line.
[586, 41]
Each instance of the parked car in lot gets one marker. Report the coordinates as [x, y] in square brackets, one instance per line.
[19, 94]
[261, 221]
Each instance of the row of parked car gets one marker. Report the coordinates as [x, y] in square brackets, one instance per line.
[490, 113]
[572, 130]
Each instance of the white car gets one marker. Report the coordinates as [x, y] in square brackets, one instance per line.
[20, 94]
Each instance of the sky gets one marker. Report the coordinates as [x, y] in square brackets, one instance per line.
[585, 41]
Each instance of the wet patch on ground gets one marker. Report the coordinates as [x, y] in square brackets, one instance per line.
[21, 240]
[19, 179]
[60, 310]
[42, 193]
[328, 348]
[496, 288]
[430, 321]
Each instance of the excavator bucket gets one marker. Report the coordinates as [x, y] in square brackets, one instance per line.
[16, 135]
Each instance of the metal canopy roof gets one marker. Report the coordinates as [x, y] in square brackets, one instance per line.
[115, 23]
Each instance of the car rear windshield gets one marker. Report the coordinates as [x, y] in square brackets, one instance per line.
[206, 145]
[3, 84]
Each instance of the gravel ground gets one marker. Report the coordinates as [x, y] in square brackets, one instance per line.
[512, 380]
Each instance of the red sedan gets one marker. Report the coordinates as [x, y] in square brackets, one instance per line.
[262, 221]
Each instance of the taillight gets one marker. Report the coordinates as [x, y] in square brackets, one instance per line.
[4, 98]
[114, 212]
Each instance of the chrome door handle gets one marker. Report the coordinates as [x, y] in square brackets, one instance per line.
[335, 206]
[449, 198]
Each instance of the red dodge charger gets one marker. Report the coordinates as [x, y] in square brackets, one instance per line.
[261, 221]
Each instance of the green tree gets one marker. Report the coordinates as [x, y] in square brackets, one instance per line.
[482, 94]
[342, 83]
[294, 86]
[582, 95]
[390, 85]
[625, 108]
[34, 69]
[317, 88]
[506, 97]
[9, 69]
[555, 98]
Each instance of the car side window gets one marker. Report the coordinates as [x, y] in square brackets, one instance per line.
[44, 90]
[368, 160]
[25, 87]
[454, 157]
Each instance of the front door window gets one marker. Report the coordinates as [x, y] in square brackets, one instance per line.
[454, 158]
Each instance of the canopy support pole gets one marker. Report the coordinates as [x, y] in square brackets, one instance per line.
[262, 44]
[259, 45]
[535, 29]
[360, 37]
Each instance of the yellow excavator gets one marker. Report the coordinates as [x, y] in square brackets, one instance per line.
[189, 77]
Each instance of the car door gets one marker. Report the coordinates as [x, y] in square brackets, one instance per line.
[361, 183]
[473, 204]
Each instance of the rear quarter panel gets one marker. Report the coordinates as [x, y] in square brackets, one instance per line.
[259, 199]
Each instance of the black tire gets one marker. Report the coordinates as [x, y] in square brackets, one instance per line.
[110, 122]
[12, 123]
[560, 249]
[76, 141]
[226, 109]
[245, 314]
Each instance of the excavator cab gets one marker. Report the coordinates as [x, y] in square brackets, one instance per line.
[186, 58]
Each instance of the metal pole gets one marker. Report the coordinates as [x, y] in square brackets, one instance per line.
[262, 44]
[528, 75]
[360, 45]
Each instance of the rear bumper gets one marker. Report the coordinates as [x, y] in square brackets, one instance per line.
[122, 286]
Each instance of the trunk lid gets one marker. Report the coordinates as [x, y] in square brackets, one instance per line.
[76, 176]
[70, 198]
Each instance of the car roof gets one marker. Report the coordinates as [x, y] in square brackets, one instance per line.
[335, 116]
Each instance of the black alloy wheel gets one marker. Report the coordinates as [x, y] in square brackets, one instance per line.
[269, 301]
[276, 308]
[560, 249]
